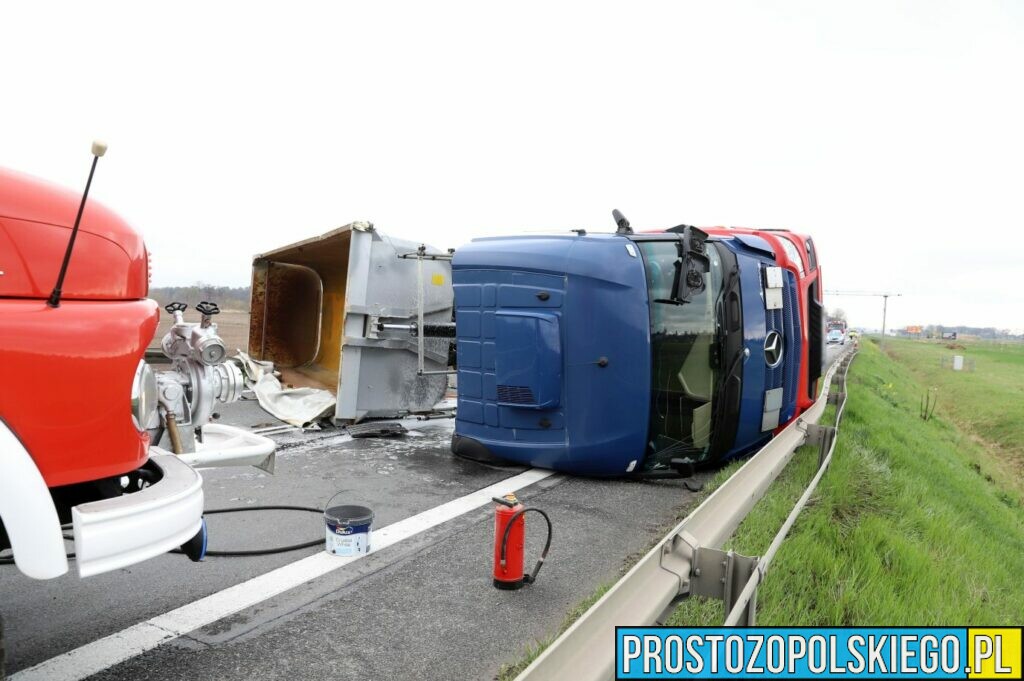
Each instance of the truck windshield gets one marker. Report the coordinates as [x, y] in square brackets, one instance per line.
[685, 362]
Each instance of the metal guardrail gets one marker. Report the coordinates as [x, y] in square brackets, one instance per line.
[688, 561]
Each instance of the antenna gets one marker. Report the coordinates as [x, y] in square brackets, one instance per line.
[98, 149]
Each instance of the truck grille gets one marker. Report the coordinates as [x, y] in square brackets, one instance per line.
[787, 322]
[515, 394]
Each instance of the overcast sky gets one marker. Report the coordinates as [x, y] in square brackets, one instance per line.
[893, 132]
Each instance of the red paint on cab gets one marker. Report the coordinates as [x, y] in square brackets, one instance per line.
[66, 373]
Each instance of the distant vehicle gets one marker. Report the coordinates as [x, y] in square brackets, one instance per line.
[616, 354]
[836, 337]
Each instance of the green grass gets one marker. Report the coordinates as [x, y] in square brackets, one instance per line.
[987, 404]
[905, 528]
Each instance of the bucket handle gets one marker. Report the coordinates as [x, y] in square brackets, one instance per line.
[328, 504]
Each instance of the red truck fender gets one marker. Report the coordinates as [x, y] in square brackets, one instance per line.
[27, 511]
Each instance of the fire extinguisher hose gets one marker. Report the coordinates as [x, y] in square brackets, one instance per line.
[530, 578]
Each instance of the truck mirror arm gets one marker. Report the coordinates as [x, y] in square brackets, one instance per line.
[691, 264]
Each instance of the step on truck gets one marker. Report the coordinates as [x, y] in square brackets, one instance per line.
[625, 353]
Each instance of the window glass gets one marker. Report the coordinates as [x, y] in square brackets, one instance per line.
[793, 252]
[812, 259]
[685, 369]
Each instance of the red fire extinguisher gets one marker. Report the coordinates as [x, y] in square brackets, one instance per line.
[510, 543]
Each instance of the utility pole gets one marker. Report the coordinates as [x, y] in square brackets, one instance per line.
[885, 304]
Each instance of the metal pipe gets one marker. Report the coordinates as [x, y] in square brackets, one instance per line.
[173, 434]
[419, 310]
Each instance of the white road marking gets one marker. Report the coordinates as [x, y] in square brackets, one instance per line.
[106, 652]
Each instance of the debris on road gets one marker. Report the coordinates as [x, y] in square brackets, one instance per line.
[295, 406]
[377, 429]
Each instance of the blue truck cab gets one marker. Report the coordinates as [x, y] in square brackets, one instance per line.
[618, 354]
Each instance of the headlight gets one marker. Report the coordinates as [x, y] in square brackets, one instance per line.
[144, 400]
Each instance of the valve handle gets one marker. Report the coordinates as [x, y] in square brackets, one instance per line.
[207, 308]
[175, 307]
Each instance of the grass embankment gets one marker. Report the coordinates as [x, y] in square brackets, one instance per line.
[985, 402]
[907, 527]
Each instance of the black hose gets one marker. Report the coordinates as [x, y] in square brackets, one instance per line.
[261, 552]
[530, 578]
[9, 560]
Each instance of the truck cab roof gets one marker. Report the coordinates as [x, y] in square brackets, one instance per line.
[109, 261]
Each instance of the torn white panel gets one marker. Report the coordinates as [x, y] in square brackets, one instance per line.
[297, 406]
[253, 369]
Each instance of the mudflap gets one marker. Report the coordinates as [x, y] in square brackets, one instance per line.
[473, 450]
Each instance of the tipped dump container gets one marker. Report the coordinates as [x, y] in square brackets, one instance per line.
[316, 311]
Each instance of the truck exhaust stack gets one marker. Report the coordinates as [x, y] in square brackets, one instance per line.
[321, 309]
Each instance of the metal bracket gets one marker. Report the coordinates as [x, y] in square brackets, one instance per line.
[821, 436]
[677, 556]
[836, 397]
[722, 575]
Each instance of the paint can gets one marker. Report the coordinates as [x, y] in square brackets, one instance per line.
[348, 529]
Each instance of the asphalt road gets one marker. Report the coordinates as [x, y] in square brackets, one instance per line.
[423, 608]
[396, 612]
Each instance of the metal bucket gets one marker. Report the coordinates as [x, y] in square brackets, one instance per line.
[315, 312]
[348, 529]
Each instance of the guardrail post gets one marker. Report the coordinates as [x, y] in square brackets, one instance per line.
[836, 397]
[722, 575]
[821, 436]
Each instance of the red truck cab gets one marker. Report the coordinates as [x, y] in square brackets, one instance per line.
[76, 397]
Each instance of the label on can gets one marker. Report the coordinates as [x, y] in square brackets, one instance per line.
[343, 541]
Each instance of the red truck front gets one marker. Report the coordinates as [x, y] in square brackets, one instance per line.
[76, 397]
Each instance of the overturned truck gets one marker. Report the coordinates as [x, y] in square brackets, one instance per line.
[342, 311]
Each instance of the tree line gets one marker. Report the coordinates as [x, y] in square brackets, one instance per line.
[226, 297]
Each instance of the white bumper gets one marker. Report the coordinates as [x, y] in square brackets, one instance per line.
[114, 533]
